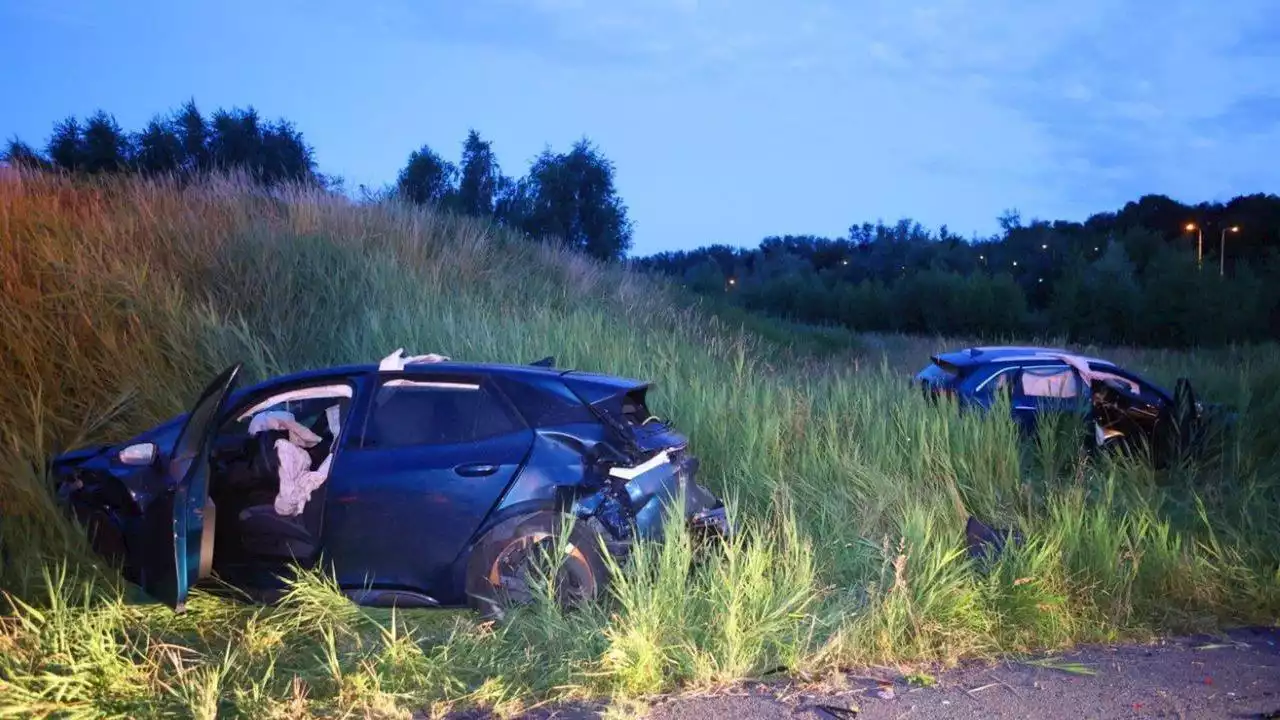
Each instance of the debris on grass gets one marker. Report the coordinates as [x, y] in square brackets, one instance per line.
[1073, 668]
[920, 679]
[1220, 646]
[984, 543]
[835, 712]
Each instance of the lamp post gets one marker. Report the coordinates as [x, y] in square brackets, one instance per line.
[1199, 242]
[1222, 250]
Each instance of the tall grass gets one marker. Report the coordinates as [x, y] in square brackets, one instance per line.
[121, 298]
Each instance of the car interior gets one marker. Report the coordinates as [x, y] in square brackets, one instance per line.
[1120, 410]
[246, 479]
[1048, 382]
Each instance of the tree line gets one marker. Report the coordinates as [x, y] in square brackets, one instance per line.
[566, 197]
[1129, 277]
[1140, 275]
[569, 197]
[182, 142]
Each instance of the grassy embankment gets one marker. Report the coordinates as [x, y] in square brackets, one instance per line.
[120, 299]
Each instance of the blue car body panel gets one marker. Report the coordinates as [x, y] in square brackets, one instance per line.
[372, 491]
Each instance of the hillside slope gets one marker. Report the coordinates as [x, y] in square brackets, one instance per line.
[121, 298]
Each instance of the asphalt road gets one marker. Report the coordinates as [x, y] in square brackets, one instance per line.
[1196, 677]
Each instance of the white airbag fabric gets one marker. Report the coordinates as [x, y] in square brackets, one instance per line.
[295, 493]
[297, 479]
[396, 361]
[1057, 385]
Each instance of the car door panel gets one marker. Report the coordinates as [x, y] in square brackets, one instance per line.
[175, 523]
[412, 486]
[399, 517]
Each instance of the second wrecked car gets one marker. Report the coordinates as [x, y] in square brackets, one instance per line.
[1123, 409]
[416, 482]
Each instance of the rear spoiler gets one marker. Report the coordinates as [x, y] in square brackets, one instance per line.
[594, 389]
[943, 363]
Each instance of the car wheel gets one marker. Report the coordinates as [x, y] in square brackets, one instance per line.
[504, 568]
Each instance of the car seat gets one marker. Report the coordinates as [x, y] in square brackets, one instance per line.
[264, 532]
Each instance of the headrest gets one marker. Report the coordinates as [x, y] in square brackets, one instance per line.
[269, 418]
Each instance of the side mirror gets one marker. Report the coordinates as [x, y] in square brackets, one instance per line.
[139, 454]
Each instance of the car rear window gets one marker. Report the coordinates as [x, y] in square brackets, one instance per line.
[937, 374]
[545, 402]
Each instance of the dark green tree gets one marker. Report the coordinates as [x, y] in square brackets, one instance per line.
[283, 155]
[705, 277]
[20, 154]
[574, 199]
[427, 179]
[106, 148]
[66, 146]
[158, 148]
[478, 184]
[1112, 309]
[235, 139]
[193, 136]
[513, 203]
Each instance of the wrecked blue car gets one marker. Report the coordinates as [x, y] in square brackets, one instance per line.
[1122, 410]
[415, 482]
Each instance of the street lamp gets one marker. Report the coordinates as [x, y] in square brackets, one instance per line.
[1222, 250]
[1199, 242]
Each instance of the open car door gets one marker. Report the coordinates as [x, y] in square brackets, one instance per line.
[176, 521]
[1180, 424]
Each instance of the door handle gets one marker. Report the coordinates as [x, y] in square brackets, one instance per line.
[476, 469]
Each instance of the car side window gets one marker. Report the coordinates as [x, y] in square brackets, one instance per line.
[407, 413]
[545, 402]
[1000, 383]
[307, 404]
[1057, 381]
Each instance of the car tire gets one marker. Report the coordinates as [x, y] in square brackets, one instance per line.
[498, 568]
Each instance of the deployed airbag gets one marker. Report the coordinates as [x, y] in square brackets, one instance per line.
[297, 479]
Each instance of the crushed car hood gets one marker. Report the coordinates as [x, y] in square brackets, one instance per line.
[98, 463]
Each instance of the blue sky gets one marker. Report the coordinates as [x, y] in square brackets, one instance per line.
[727, 120]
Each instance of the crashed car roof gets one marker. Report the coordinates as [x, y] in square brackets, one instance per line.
[1010, 353]
[592, 387]
[975, 356]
